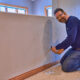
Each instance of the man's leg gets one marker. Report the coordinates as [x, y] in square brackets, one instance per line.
[72, 62]
[68, 53]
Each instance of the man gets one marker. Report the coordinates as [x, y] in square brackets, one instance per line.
[71, 60]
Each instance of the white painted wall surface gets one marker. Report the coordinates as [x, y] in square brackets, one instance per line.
[38, 6]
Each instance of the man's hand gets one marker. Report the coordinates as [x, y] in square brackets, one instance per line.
[59, 51]
[54, 49]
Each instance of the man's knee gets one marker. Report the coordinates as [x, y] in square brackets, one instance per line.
[70, 66]
[67, 68]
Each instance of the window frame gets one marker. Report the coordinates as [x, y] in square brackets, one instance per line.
[15, 6]
[45, 9]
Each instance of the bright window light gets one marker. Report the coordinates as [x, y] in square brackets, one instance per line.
[21, 11]
[49, 11]
[2, 8]
[11, 10]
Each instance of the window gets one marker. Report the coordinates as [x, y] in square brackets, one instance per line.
[21, 11]
[2, 8]
[48, 11]
[13, 9]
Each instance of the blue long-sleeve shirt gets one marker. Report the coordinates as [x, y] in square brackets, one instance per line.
[73, 34]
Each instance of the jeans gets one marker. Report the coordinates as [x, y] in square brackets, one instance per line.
[71, 60]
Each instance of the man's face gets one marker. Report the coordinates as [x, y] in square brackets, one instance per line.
[60, 16]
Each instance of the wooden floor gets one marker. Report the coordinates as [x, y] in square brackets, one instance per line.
[55, 73]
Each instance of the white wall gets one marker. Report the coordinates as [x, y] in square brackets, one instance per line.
[72, 7]
[39, 5]
[24, 42]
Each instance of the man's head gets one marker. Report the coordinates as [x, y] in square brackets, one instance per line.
[60, 15]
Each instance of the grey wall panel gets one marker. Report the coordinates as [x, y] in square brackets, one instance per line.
[24, 43]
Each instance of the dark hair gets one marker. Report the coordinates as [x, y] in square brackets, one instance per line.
[58, 9]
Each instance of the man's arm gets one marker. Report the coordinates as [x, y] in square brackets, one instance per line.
[72, 32]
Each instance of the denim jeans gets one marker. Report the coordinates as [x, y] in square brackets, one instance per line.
[71, 60]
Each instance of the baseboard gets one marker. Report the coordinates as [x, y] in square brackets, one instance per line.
[32, 72]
